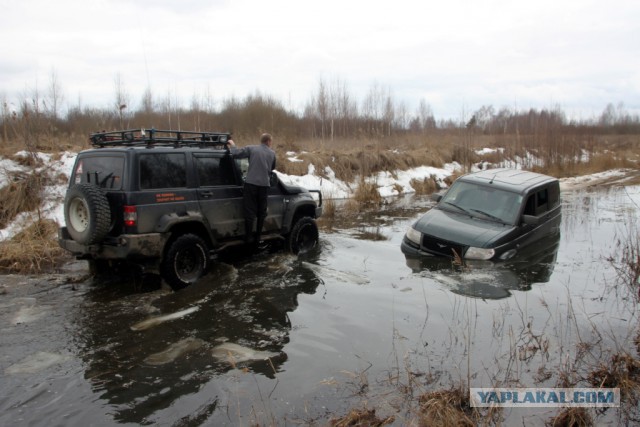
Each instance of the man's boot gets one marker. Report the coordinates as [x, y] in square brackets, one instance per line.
[248, 231]
[259, 244]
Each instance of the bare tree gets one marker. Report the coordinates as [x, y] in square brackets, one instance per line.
[425, 116]
[389, 112]
[373, 108]
[55, 94]
[322, 106]
[5, 118]
[483, 116]
[121, 99]
[147, 101]
[401, 120]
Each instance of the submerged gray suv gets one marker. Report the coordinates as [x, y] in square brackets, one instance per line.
[489, 215]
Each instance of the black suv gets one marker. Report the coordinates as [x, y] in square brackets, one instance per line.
[170, 200]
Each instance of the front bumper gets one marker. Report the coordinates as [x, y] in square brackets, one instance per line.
[124, 246]
[408, 248]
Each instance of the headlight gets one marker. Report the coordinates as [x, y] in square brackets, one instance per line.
[479, 253]
[414, 235]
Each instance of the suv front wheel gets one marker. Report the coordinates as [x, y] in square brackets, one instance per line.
[186, 260]
[304, 236]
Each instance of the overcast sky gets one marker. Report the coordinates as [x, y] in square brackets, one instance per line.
[457, 55]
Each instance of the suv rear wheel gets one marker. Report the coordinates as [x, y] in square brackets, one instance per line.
[186, 260]
[87, 213]
[303, 236]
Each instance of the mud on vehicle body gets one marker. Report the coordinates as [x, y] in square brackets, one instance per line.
[169, 201]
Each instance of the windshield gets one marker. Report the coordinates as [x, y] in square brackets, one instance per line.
[482, 201]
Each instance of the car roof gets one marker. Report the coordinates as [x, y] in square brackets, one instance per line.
[157, 149]
[516, 180]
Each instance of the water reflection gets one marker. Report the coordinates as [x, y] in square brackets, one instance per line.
[143, 352]
[488, 280]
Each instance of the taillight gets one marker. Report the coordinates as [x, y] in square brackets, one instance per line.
[130, 216]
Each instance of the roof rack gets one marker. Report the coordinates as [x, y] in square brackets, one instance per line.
[156, 137]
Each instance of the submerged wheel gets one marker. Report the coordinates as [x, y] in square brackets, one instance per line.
[304, 236]
[186, 260]
[87, 213]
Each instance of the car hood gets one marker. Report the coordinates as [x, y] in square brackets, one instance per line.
[461, 228]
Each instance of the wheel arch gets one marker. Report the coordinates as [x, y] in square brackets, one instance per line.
[189, 227]
[302, 210]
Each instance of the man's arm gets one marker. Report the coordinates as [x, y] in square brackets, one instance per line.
[238, 153]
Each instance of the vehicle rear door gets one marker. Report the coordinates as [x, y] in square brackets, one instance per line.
[219, 194]
[163, 188]
[544, 203]
[106, 170]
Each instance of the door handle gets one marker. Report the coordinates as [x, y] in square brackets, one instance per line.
[206, 194]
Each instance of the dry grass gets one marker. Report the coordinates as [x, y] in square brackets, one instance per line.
[32, 250]
[623, 372]
[424, 186]
[21, 195]
[351, 159]
[447, 408]
[627, 261]
[367, 195]
[361, 418]
[571, 417]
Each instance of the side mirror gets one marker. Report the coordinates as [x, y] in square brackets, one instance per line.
[436, 197]
[530, 219]
[273, 179]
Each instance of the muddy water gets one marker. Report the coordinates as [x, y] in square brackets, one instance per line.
[276, 339]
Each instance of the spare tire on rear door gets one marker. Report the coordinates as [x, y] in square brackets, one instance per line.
[87, 213]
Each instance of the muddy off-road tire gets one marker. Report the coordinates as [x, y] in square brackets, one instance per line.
[303, 237]
[87, 213]
[186, 261]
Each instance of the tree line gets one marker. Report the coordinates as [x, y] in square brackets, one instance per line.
[331, 113]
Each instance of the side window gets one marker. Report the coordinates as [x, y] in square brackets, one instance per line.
[554, 195]
[542, 204]
[214, 171]
[162, 170]
[530, 207]
[243, 167]
[537, 203]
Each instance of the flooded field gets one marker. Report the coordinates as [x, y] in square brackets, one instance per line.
[275, 339]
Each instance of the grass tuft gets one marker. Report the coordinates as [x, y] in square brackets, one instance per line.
[447, 408]
[32, 250]
[427, 185]
[361, 418]
[21, 195]
[571, 417]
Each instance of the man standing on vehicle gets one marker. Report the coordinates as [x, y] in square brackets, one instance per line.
[262, 161]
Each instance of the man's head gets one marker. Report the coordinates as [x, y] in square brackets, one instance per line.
[266, 139]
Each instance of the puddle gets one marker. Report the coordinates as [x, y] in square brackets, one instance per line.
[278, 339]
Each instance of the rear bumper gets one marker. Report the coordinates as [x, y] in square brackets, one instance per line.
[124, 246]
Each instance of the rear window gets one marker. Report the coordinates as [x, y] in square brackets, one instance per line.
[163, 170]
[103, 170]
